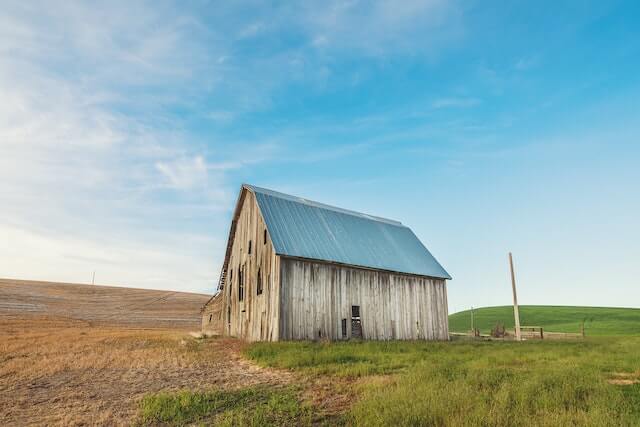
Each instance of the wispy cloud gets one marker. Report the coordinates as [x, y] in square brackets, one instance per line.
[383, 27]
[88, 145]
[109, 119]
[527, 62]
[455, 102]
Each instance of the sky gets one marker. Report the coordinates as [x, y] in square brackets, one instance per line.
[127, 128]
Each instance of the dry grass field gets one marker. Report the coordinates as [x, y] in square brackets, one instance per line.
[86, 355]
[101, 305]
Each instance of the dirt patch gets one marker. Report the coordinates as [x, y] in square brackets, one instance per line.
[624, 378]
[333, 396]
[66, 373]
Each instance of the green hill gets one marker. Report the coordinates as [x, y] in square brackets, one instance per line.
[597, 320]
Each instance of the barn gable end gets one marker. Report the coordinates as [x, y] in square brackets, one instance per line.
[248, 289]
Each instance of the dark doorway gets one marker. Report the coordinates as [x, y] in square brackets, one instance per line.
[356, 324]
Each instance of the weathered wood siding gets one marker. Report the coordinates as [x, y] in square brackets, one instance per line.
[315, 298]
[212, 316]
[256, 317]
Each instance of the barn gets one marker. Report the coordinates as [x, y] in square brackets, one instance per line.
[295, 269]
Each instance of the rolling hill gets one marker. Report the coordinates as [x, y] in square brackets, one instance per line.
[598, 321]
[101, 304]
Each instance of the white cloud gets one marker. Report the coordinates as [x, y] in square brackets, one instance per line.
[160, 264]
[252, 30]
[184, 173]
[221, 116]
[87, 148]
[94, 158]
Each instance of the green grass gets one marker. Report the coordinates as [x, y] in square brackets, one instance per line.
[535, 383]
[256, 406]
[599, 321]
[466, 383]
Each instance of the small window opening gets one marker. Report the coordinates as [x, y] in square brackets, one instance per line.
[355, 311]
[229, 315]
[319, 333]
[249, 251]
[265, 236]
[344, 328]
[259, 284]
[356, 323]
[241, 284]
[210, 317]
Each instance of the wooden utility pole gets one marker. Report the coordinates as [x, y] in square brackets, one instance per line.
[516, 314]
[473, 329]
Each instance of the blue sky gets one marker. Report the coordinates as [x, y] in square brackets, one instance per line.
[126, 129]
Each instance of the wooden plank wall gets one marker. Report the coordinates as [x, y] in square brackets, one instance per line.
[316, 296]
[212, 316]
[256, 317]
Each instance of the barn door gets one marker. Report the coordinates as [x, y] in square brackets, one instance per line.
[356, 324]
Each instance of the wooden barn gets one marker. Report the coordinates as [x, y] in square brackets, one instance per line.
[301, 270]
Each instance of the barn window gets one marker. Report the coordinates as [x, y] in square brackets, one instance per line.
[356, 323]
[344, 328]
[249, 247]
[241, 284]
[355, 311]
[265, 236]
[259, 284]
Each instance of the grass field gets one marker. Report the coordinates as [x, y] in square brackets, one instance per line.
[588, 383]
[598, 321]
[84, 355]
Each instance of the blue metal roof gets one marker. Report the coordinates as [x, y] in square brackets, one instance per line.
[305, 229]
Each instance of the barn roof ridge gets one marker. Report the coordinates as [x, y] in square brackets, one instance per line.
[320, 205]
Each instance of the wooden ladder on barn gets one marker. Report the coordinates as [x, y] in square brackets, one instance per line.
[227, 255]
[225, 264]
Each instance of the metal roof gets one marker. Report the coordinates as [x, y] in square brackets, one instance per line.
[302, 228]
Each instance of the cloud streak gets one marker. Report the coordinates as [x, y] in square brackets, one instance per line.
[112, 122]
[89, 147]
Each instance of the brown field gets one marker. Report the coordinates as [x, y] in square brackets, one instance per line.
[85, 355]
[101, 305]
